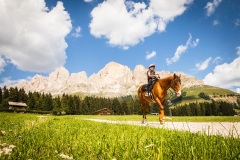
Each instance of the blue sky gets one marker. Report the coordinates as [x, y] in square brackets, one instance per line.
[199, 38]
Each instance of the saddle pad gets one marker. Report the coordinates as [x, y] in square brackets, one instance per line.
[144, 87]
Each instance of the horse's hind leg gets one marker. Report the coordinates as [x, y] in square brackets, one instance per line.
[144, 108]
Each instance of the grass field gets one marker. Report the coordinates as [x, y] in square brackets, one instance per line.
[27, 136]
[154, 118]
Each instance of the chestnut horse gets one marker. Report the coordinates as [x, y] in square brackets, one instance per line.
[159, 92]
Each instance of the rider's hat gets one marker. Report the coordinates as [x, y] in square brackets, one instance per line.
[151, 65]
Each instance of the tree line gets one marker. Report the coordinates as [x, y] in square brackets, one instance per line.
[72, 104]
[67, 104]
[215, 108]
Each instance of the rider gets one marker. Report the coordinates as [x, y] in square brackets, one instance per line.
[151, 76]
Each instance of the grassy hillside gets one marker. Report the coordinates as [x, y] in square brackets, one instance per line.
[191, 94]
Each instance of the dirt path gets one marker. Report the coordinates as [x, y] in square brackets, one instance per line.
[225, 129]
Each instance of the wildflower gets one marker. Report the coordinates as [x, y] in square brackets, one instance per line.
[3, 132]
[3, 144]
[7, 151]
[11, 146]
[65, 156]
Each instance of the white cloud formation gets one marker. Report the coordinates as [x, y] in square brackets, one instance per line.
[7, 81]
[77, 32]
[238, 90]
[225, 75]
[121, 27]
[182, 49]
[88, 1]
[2, 64]
[217, 60]
[216, 22]
[126, 23]
[237, 22]
[238, 50]
[203, 65]
[32, 37]
[168, 10]
[211, 7]
[151, 55]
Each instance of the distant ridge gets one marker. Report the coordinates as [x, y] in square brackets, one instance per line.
[111, 81]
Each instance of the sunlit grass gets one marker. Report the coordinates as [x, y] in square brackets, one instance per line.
[154, 118]
[72, 137]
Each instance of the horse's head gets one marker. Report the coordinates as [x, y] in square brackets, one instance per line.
[176, 84]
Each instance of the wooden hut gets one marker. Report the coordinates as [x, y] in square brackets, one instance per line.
[104, 111]
[17, 105]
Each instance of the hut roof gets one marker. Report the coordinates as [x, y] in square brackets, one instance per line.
[102, 110]
[17, 104]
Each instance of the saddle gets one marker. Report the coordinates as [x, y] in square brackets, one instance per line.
[144, 87]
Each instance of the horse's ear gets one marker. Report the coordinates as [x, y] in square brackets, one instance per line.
[174, 75]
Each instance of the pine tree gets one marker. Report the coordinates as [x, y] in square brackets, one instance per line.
[5, 93]
[77, 103]
[1, 96]
[124, 107]
[71, 105]
[22, 96]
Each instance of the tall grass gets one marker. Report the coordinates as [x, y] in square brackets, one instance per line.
[71, 137]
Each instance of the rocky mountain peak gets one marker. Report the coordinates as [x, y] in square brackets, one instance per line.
[113, 80]
[59, 73]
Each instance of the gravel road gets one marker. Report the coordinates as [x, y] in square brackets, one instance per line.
[225, 129]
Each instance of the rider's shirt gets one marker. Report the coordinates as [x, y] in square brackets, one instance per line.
[152, 72]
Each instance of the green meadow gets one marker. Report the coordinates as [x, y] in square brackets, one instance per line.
[28, 136]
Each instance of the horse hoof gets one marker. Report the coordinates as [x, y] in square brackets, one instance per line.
[162, 122]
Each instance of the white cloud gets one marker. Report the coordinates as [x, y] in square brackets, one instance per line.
[168, 10]
[238, 50]
[7, 81]
[203, 65]
[121, 27]
[216, 22]
[2, 64]
[32, 37]
[77, 32]
[225, 75]
[237, 22]
[211, 7]
[151, 55]
[217, 60]
[182, 49]
[238, 90]
[126, 23]
[88, 1]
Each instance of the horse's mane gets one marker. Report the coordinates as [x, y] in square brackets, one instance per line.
[166, 78]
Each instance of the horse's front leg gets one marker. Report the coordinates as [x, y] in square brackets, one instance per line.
[161, 116]
[161, 113]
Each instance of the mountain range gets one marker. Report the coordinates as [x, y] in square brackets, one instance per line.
[113, 80]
